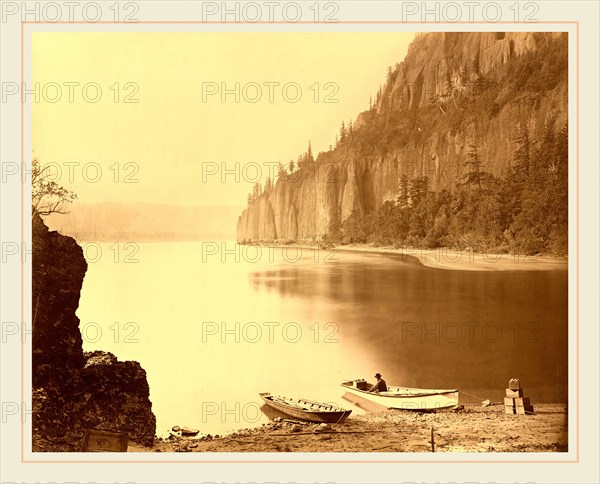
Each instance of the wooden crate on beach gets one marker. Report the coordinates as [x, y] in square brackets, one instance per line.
[527, 410]
[103, 441]
[523, 406]
[510, 393]
[522, 402]
[514, 401]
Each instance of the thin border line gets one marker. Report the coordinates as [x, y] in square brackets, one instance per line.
[577, 243]
[295, 461]
[301, 22]
[375, 22]
[22, 263]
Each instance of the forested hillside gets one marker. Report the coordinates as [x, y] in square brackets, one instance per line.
[465, 145]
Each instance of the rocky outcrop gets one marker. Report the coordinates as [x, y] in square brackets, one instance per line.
[105, 394]
[58, 271]
[72, 390]
[453, 92]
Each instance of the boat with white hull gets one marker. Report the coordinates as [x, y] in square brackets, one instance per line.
[403, 398]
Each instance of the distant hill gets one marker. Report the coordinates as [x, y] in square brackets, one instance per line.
[138, 222]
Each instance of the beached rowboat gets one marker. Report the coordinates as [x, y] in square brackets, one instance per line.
[403, 398]
[308, 410]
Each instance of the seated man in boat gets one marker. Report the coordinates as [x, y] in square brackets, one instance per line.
[379, 385]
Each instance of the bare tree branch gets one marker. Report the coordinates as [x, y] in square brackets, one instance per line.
[47, 196]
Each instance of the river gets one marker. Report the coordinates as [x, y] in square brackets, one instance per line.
[214, 324]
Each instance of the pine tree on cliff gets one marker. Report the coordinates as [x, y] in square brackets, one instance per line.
[403, 193]
[550, 160]
[343, 132]
[309, 154]
[473, 163]
[418, 189]
[291, 167]
[268, 185]
[522, 155]
[281, 172]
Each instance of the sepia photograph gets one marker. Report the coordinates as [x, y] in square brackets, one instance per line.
[304, 241]
[291, 242]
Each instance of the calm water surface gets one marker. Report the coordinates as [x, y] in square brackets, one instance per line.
[212, 332]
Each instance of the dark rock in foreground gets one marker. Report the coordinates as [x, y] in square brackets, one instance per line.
[74, 391]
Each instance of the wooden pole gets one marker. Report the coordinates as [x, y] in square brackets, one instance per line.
[432, 440]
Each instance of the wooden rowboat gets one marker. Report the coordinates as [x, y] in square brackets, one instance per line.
[186, 431]
[419, 399]
[309, 410]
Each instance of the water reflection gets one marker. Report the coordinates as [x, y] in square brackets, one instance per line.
[442, 328]
[197, 321]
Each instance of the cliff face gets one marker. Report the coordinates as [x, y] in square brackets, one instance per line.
[72, 390]
[58, 271]
[453, 92]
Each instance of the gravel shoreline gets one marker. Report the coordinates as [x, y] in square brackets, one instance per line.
[471, 429]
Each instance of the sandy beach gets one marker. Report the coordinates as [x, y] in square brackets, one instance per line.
[452, 259]
[466, 260]
[469, 429]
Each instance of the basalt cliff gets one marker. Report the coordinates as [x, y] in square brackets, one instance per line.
[74, 391]
[453, 93]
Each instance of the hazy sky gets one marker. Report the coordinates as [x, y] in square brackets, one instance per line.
[179, 131]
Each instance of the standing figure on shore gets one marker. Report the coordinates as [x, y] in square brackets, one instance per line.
[379, 385]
